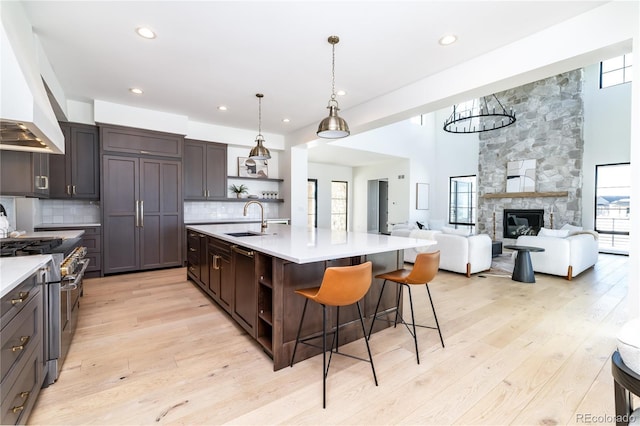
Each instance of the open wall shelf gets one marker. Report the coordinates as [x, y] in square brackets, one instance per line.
[252, 178]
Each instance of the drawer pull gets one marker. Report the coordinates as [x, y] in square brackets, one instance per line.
[25, 396]
[192, 249]
[191, 268]
[22, 296]
[24, 340]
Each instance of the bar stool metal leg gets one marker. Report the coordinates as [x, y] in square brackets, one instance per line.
[434, 315]
[366, 341]
[413, 324]
[295, 347]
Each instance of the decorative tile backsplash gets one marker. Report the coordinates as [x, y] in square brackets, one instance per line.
[208, 210]
[69, 211]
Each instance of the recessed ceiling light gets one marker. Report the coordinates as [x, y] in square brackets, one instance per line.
[222, 108]
[285, 120]
[136, 90]
[447, 39]
[145, 32]
[341, 93]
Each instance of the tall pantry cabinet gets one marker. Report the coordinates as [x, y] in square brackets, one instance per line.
[141, 199]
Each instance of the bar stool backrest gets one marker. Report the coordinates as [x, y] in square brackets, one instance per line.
[344, 285]
[425, 268]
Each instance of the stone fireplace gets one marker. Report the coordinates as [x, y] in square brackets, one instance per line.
[516, 222]
[549, 129]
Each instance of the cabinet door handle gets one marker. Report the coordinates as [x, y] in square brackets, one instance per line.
[22, 296]
[204, 192]
[46, 182]
[68, 189]
[142, 214]
[241, 251]
[24, 340]
[208, 193]
[192, 249]
[73, 189]
[216, 264]
[137, 214]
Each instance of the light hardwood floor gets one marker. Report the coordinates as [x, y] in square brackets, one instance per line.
[151, 348]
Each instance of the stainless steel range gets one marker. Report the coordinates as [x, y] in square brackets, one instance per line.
[63, 288]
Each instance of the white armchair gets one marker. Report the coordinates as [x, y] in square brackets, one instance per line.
[458, 253]
[563, 256]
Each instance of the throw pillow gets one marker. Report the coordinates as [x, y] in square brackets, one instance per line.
[560, 233]
[571, 228]
[449, 230]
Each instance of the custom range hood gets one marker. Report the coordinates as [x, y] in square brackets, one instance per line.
[27, 120]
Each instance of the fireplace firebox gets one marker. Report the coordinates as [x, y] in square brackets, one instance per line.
[522, 222]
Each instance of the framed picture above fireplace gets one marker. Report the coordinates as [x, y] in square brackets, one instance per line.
[521, 176]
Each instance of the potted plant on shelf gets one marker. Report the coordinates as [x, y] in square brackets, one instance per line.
[239, 190]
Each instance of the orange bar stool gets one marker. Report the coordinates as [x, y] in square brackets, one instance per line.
[424, 270]
[341, 286]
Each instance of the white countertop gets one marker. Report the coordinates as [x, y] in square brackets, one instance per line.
[305, 245]
[13, 270]
[232, 220]
[64, 234]
[66, 225]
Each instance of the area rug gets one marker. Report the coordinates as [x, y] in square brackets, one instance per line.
[501, 266]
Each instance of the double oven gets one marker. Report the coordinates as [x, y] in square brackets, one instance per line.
[62, 292]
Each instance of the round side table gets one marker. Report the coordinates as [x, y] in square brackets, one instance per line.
[523, 270]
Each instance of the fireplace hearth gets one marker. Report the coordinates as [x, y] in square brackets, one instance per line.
[522, 222]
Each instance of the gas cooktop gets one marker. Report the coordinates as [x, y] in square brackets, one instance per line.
[30, 246]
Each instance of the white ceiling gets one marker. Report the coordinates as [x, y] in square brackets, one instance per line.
[211, 53]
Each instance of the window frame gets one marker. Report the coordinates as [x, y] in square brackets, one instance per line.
[472, 203]
[346, 205]
[627, 74]
[315, 202]
[613, 233]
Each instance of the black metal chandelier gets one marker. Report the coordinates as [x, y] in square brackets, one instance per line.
[480, 115]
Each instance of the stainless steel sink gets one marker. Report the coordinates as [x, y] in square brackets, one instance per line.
[246, 234]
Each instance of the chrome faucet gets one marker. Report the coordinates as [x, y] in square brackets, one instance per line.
[263, 223]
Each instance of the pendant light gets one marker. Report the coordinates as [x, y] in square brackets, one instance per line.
[479, 115]
[333, 127]
[259, 152]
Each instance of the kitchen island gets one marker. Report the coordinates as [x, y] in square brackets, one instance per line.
[253, 276]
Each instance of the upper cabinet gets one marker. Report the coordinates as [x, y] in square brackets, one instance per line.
[24, 174]
[140, 141]
[205, 170]
[77, 173]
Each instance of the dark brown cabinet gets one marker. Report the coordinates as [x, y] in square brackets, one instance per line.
[245, 303]
[220, 277]
[134, 141]
[142, 213]
[205, 170]
[76, 174]
[24, 174]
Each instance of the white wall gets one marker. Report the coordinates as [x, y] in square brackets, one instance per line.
[455, 155]
[607, 133]
[325, 173]
[399, 191]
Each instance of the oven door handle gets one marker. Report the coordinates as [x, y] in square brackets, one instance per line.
[75, 277]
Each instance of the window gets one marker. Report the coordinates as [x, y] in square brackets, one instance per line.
[312, 203]
[338, 206]
[462, 200]
[613, 189]
[616, 71]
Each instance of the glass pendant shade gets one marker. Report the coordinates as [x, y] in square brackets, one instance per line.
[259, 152]
[333, 127]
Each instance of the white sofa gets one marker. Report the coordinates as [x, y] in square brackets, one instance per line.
[458, 253]
[565, 256]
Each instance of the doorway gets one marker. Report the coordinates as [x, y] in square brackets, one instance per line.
[378, 206]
